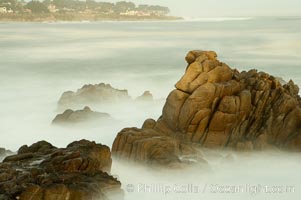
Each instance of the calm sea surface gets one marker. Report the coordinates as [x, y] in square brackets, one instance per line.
[39, 61]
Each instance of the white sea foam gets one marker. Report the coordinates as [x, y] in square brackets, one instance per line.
[218, 19]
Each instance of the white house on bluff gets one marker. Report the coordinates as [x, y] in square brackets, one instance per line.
[3, 10]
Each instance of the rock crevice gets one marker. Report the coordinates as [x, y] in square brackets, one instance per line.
[215, 106]
[42, 171]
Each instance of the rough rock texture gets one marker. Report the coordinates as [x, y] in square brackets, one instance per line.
[92, 94]
[146, 96]
[215, 106]
[42, 171]
[80, 116]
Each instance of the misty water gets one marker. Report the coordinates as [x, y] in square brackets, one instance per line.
[39, 61]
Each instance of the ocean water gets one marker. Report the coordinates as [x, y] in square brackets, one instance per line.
[39, 61]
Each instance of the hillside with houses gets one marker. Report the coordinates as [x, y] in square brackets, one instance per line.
[77, 10]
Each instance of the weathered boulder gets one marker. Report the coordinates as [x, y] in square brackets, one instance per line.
[42, 171]
[85, 115]
[215, 106]
[152, 148]
[92, 94]
[149, 124]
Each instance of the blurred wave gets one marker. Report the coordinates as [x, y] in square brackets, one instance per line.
[218, 19]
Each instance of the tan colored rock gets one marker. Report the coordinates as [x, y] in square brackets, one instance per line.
[92, 94]
[172, 108]
[196, 54]
[79, 171]
[150, 148]
[149, 124]
[33, 192]
[215, 106]
[191, 74]
[86, 115]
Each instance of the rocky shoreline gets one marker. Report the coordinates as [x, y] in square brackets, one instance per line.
[79, 18]
[42, 171]
[96, 94]
[212, 107]
[86, 115]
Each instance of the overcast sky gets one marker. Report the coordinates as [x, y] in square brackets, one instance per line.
[228, 8]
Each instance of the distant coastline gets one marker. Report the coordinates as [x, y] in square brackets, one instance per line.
[81, 17]
[71, 10]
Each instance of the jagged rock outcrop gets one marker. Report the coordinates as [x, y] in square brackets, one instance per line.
[146, 96]
[42, 172]
[80, 116]
[92, 94]
[215, 106]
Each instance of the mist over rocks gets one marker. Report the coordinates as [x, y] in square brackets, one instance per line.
[146, 96]
[97, 94]
[42, 171]
[4, 152]
[86, 115]
[215, 106]
[92, 94]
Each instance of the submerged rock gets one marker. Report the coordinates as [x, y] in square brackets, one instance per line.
[80, 116]
[42, 171]
[215, 106]
[92, 94]
[146, 96]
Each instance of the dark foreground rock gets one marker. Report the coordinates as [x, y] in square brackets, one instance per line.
[43, 172]
[215, 106]
[85, 115]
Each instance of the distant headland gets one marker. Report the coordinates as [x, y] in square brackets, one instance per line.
[77, 10]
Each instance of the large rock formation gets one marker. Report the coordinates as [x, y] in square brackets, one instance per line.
[215, 106]
[44, 172]
[92, 94]
[80, 116]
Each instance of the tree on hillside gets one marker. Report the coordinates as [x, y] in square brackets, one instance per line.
[123, 6]
[70, 4]
[91, 4]
[105, 6]
[150, 8]
[9, 4]
[37, 7]
[162, 9]
[47, 2]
